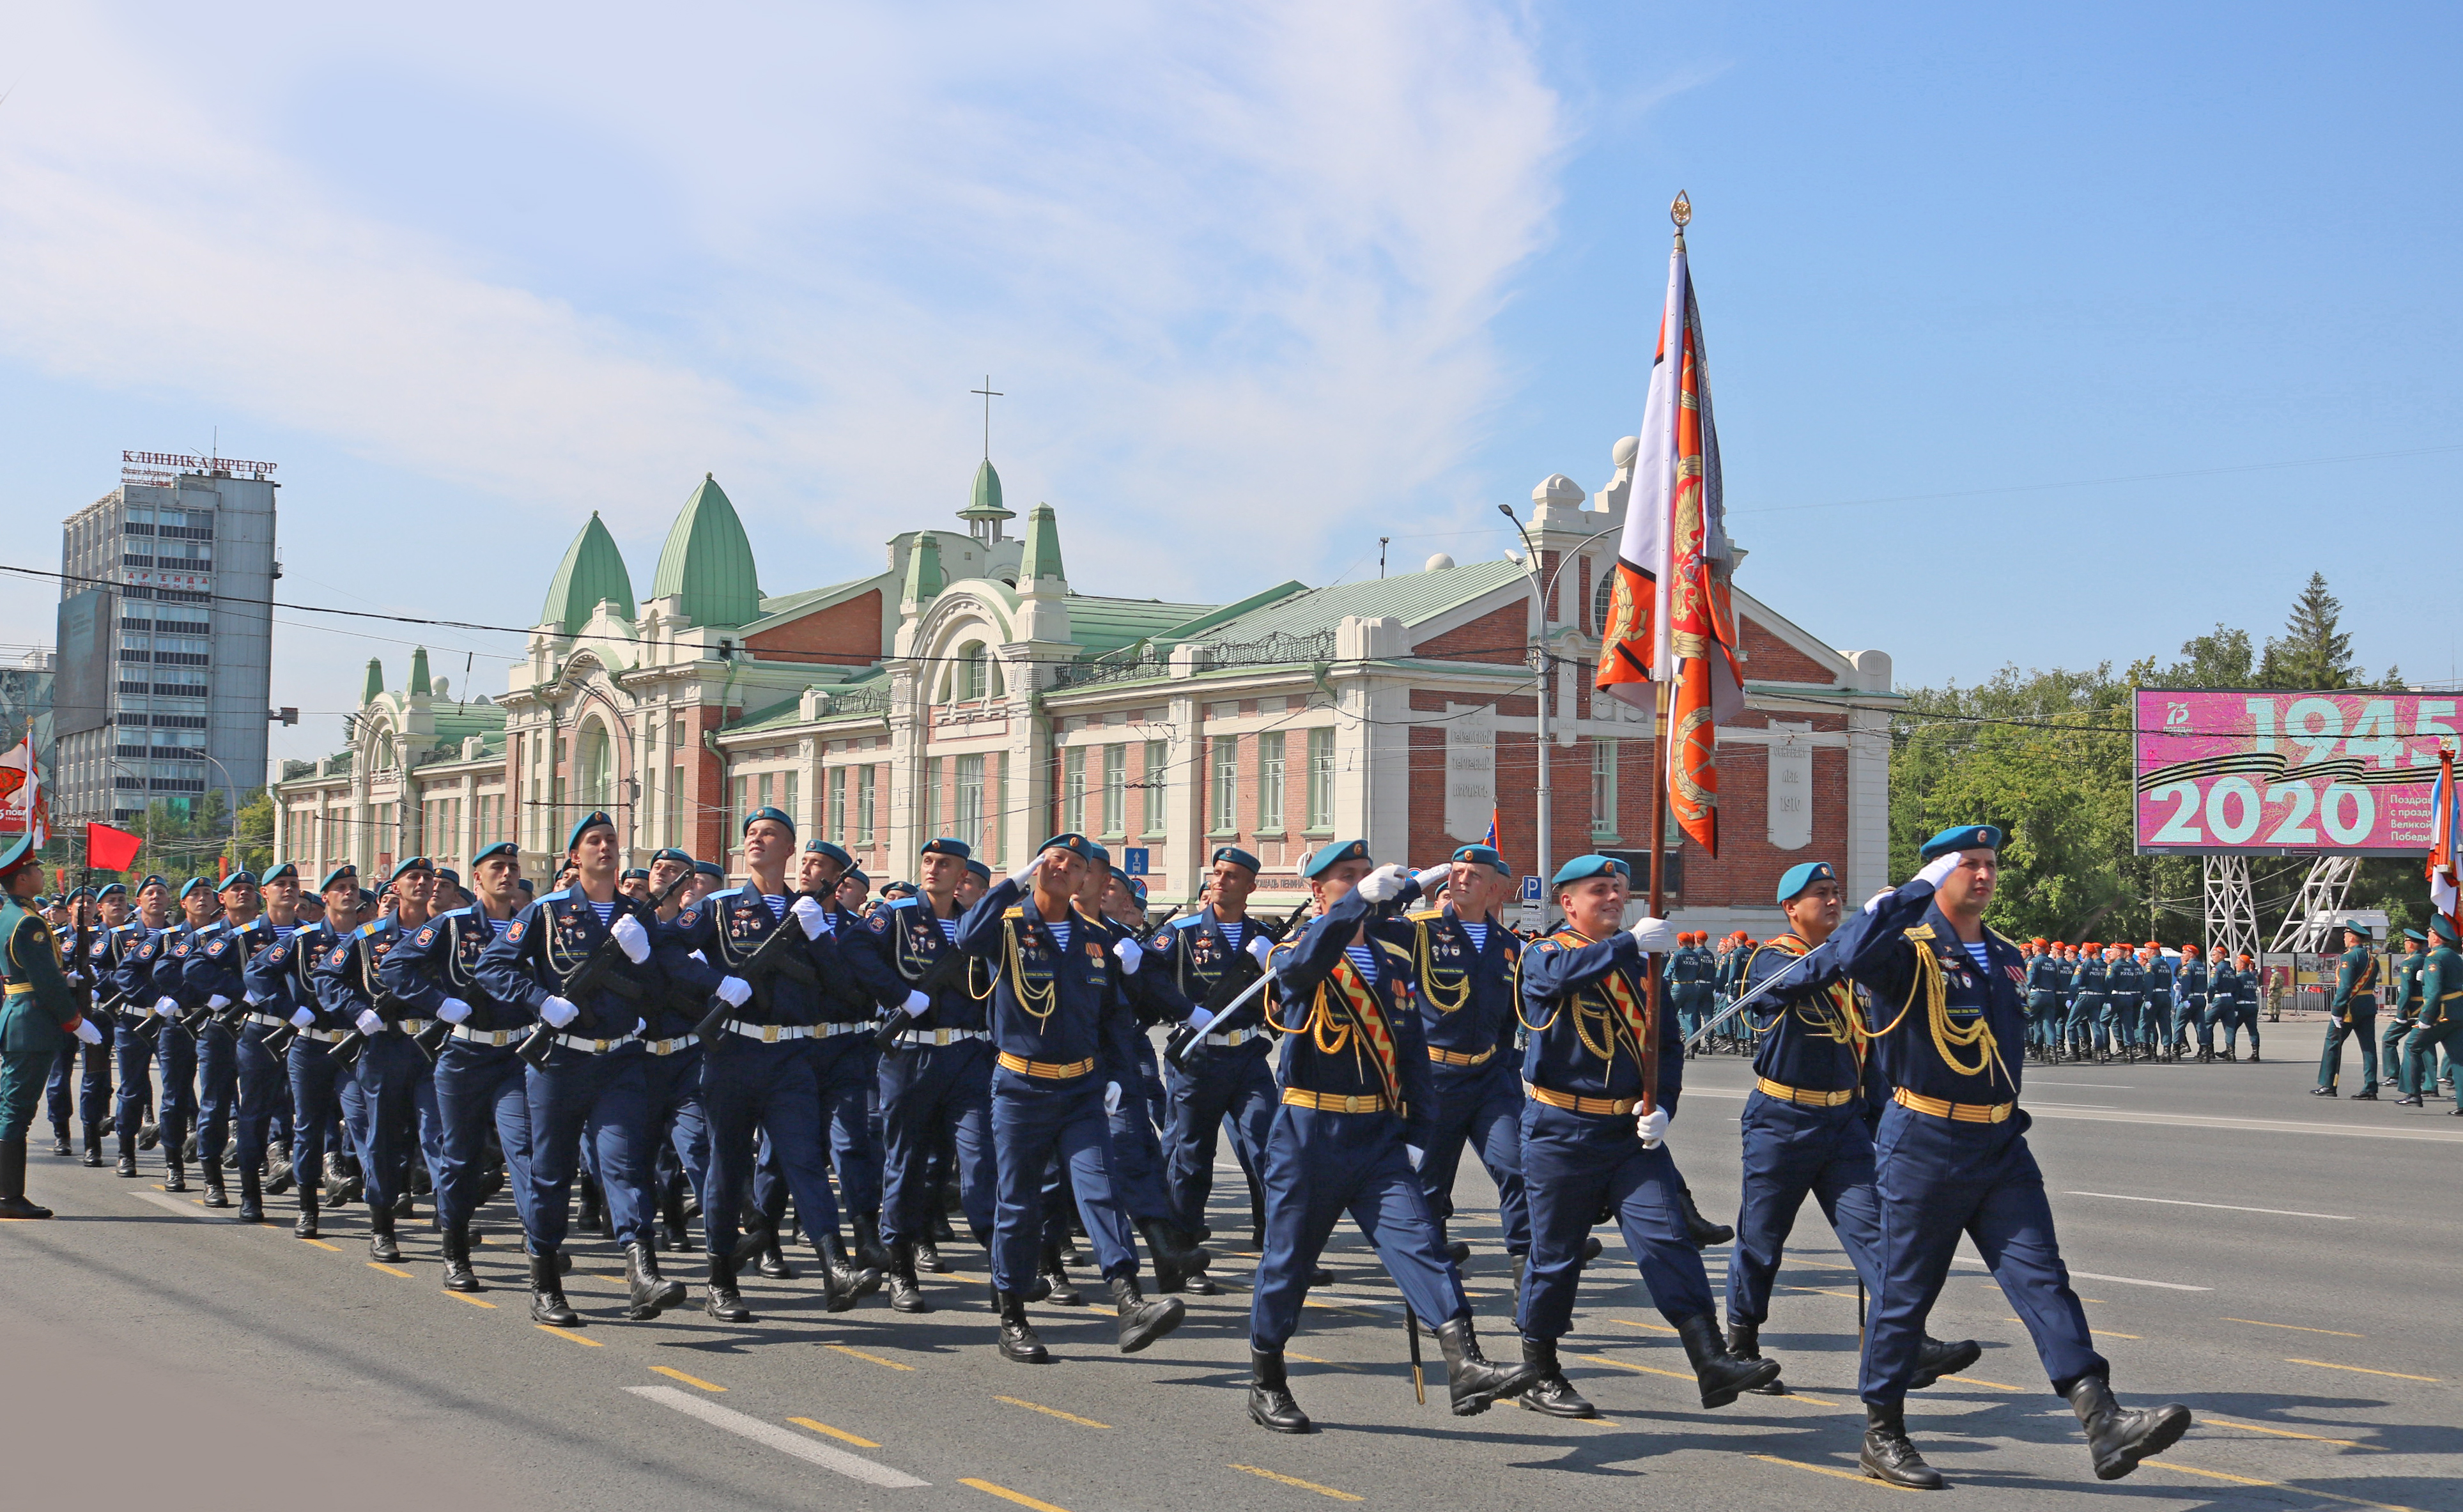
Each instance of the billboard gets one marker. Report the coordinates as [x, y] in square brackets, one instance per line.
[2287, 774]
[81, 687]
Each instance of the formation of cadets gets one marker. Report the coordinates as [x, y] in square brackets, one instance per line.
[653, 1045]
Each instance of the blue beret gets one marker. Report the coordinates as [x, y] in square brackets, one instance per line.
[502, 847]
[1078, 845]
[367, 899]
[344, 875]
[76, 893]
[1582, 867]
[1962, 837]
[1803, 875]
[1237, 857]
[947, 845]
[584, 825]
[242, 875]
[858, 875]
[1484, 855]
[980, 869]
[1322, 860]
[778, 813]
[1097, 854]
[630, 872]
[681, 858]
[110, 888]
[278, 873]
[192, 884]
[526, 884]
[155, 880]
[409, 865]
[449, 874]
[822, 847]
[709, 868]
[2443, 926]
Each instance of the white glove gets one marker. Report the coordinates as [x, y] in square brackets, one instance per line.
[304, 1019]
[165, 1007]
[370, 1021]
[918, 1005]
[1111, 1098]
[558, 1012]
[1415, 1154]
[1131, 955]
[733, 991]
[1026, 873]
[1262, 947]
[1199, 1018]
[218, 1001]
[1654, 935]
[1652, 1126]
[87, 1032]
[633, 939]
[1938, 869]
[1873, 904]
[453, 1010]
[253, 996]
[1383, 884]
[812, 916]
[1433, 877]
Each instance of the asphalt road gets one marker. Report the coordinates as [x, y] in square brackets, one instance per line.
[2284, 1264]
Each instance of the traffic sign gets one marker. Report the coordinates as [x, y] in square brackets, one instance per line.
[1133, 859]
[1531, 889]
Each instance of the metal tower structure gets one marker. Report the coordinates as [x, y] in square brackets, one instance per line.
[2321, 894]
[2231, 911]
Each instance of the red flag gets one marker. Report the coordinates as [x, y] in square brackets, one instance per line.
[109, 849]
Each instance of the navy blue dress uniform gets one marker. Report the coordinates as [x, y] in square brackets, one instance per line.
[394, 1075]
[175, 1049]
[936, 1082]
[2155, 1023]
[2125, 991]
[74, 939]
[1584, 1010]
[1064, 1035]
[1467, 971]
[479, 1077]
[592, 1084]
[2086, 1000]
[758, 1069]
[2193, 984]
[203, 984]
[1225, 1082]
[90, 1065]
[279, 986]
[126, 978]
[2351, 1014]
[1953, 1159]
[216, 976]
[2441, 1020]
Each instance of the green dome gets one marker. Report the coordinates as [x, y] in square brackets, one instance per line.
[987, 502]
[592, 569]
[708, 562]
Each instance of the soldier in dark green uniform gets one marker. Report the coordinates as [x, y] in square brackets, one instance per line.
[37, 1014]
[2404, 1004]
[2352, 1015]
[2441, 1020]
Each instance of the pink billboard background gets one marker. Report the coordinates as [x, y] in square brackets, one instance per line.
[2279, 772]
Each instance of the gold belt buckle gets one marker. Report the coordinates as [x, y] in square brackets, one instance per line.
[768, 1033]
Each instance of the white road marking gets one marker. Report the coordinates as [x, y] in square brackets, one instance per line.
[2100, 1087]
[2227, 1207]
[170, 1204]
[1975, 1263]
[854, 1467]
[2244, 1126]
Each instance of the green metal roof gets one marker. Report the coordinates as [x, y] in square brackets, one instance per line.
[924, 579]
[418, 683]
[592, 569]
[1041, 558]
[1101, 627]
[987, 502]
[790, 710]
[1412, 598]
[374, 688]
[708, 562]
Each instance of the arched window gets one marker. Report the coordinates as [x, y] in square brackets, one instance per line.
[1602, 598]
[597, 767]
[385, 752]
[976, 665]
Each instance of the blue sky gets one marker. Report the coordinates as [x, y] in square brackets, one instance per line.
[1262, 283]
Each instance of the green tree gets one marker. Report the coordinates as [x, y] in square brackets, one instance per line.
[2314, 650]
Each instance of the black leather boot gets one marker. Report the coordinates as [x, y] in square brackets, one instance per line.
[1063, 1293]
[1144, 1321]
[2119, 1440]
[1270, 1395]
[252, 1196]
[2367, 1094]
[1721, 1375]
[1888, 1457]
[278, 1173]
[175, 1176]
[773, 1259]
[1745, 1342]
[94, 1147]
[127, 1155]
[381, 1240]
[547, 1294]
[927, 1258]
[846, 1282]
[1168, 1268]
[647, 1292]
[217, 1196]
[1936, 1358]
[721, 1300]
[869, 1252]
[60, 1139]
[756, 1230]
[12, 1184]
[592, 1207]
[306, 1227]
[458, 1274]
[671, 1214]
[1552, 1393]
[148, 1135]
[1017, 1340]
[1701, 1230]
[904, 1294]
[1471, 1380]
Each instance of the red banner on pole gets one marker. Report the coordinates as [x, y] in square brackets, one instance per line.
[109, 849]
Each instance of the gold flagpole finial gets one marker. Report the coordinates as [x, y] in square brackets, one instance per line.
[1680, 210]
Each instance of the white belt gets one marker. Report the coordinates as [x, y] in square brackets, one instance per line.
[923, 1037]
[415, 1027]
[828, 1031]
[664, 1047]
[1231, 1038]
[324, 1036]
[573, 1041]
[497, 1037]
[268, 1020]
[770, 1033]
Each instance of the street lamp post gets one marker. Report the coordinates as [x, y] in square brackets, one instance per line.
[1540, 592]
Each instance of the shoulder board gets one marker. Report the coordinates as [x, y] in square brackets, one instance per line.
[1423, 915]
[1187, 921]
[1566, 937]
[1391, 949]
[1013, 911]
[1992, 933]
[903, 903]
[370, 928]
[1919, 932]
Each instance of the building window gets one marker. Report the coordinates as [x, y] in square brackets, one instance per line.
[1073, 789]
[1320, 780]
[743, 803]
[970, 801]
[1116, 789]
[997, 821]
[676, 805]
[1155, 776]
[867, 781]
[931, 805]
[1270, 783]
[787, 785]
[1223, 795]
[1603, 789]
[834, 816]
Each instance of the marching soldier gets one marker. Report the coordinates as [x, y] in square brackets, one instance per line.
[1589, 1144]
[2045, 980]
[214, 979]
[2189, 987]
[1952, 1160]
[278, 979]
[176, 1047]
[2441, 1020]
[130, 971]
[37, 1013]
[391, 1068]
[2125, 990]
[95, 1093]
[2155, 1017]
[2244, 1007]
[75, 929]
[2086, 1000]
[2352, 1014]
[2404, 1004]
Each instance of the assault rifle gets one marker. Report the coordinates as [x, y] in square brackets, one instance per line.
[781, 953]
[598, 971]
[1230, 990]
[949, 966]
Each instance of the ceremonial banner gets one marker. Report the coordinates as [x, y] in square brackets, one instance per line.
[2445, 838]
[2349, 772]
[109, 849]
[21, 793]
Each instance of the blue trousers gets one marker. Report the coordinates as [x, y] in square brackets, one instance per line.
[929, 1094]
[847, 1074]
[2357, 1023]
[1792, 1152]
[323, 1092]
[135, 1059]
[1137, 1154]
[217, 1089]
[2241, 1015]
[1318, 1167]
[1939, 1179]
[672, 1085]
[1036, 1121]
[92, 1085]
[175, 1064]
[1481, 1107]
[263, 1116]
[1225, 1088]
[602, 1099]
[480, 1086]
[1573, 1164]
[2043, 1018]
[401, 1123]
[746, 1083]
[2086, 1010]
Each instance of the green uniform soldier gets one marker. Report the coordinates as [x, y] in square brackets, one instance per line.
[2404, 978]
[2441, 1021]
[37, 1014]
[2352, 1015]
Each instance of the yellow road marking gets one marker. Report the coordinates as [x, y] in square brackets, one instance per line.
[1050, 1412]
[674, 1374]
[567, 1334]
[2363, 1369]
[1654, 1327]
[474, 1301]
[1311, 1359]
[1977, 1380]
[1007, 1495]
[1825, 1470]
[389, 1270]
[2256, 1323]
[2250, 1480]
[1646, 1370]
[2287, 1432]
[834, 1433]
[322, 1245]
[1295, 1481]
[873, 1358]
[1826, 1291]
[2098, 1332]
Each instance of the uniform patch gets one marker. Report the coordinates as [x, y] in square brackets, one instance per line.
[513, 932]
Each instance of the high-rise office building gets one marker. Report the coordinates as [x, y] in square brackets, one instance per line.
[164, 638]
